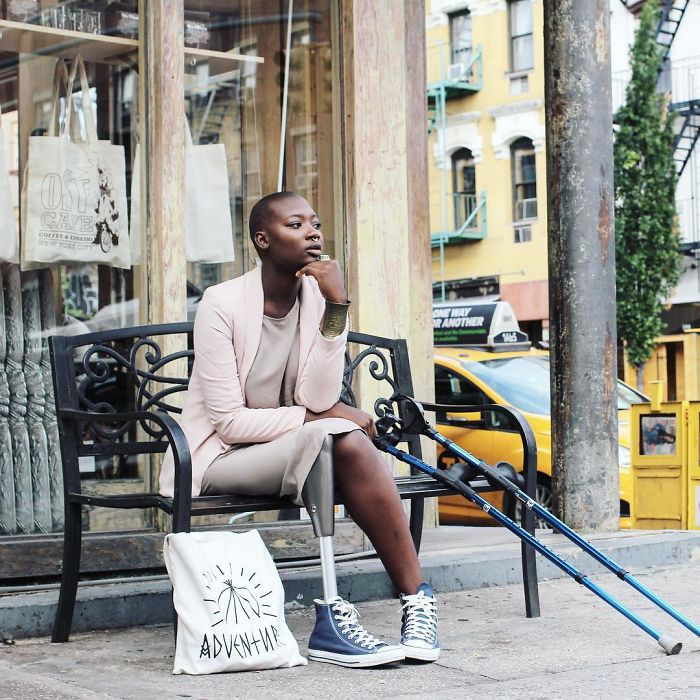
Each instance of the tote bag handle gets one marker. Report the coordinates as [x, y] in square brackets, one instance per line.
[60, 78]
[78, 68]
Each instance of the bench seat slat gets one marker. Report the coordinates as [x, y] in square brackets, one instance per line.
[408, 487]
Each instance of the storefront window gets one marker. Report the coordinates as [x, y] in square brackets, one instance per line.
[235, 97]
[241, 105]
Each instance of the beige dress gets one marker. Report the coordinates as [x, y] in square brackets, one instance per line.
[278, 467]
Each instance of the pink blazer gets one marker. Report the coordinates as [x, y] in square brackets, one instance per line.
[227, 332]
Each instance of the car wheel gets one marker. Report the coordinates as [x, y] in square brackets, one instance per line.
[543, 495]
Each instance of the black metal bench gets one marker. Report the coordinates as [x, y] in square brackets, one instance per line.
[115, 392]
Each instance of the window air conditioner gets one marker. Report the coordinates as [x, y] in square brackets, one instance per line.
[456, 71]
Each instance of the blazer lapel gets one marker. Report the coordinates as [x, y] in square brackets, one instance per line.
[308, 321]
[253, 314]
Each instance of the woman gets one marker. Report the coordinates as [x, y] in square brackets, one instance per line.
[263, 396]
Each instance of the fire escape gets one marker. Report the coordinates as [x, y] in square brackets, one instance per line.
[463, 215]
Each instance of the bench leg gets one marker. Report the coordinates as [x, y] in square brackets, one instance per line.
[530, 587]
[69, 574]
[532, 594]
[181, 521]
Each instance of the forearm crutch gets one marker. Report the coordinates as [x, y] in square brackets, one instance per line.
[391, 433]
[317, 495]
[415, 421]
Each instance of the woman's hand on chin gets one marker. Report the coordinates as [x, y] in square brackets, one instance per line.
[341, 410]
[329, 277]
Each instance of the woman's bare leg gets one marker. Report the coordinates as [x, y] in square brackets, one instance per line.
[371, 498]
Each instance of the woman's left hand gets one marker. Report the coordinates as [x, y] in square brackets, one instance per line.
[329, 277]
[341, 410]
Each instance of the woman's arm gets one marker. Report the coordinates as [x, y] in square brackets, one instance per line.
[217, 372]
[321, 380]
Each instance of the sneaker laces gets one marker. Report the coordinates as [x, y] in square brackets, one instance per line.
[420, 617]
[349, 622]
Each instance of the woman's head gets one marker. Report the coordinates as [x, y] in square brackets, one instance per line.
[285, 230]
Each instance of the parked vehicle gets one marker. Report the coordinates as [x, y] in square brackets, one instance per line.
[519, 378]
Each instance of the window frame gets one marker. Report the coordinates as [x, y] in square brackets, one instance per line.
[522, 144]
[458, 55]
[462, 213]
[512, 38]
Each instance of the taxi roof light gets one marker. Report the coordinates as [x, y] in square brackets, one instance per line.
[490, 325]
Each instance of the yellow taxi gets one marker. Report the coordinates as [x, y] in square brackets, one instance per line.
[516, 376]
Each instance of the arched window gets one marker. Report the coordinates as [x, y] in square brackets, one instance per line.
[524, 180]
[463, 185]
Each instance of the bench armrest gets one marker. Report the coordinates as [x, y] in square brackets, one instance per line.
[527, 436]
[173, 433]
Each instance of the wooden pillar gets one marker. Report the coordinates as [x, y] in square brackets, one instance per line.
[161, 95]
[418, 252]
[386, 191]
[162, 137]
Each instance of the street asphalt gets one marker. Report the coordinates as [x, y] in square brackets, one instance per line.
[578, 648]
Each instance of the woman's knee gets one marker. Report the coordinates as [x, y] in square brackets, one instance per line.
[352, 446]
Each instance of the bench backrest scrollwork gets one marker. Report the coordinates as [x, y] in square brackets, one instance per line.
[122, 373]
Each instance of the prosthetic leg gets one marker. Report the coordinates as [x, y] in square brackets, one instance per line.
[317, 495]
[338, 636]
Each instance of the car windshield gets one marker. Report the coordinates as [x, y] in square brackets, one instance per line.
[524, 382]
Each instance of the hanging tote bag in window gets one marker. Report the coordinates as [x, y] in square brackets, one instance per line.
[230, 604]
[9, 238]
[75, 193]
[207, 206]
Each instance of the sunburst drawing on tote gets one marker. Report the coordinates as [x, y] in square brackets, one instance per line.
[236, 594]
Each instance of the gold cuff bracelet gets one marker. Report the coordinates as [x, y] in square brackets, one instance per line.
[334, 319]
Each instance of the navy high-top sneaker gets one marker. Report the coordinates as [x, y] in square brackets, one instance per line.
[339, 638]
[419, 637]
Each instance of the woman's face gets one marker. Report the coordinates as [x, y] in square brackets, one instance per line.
[292, 237]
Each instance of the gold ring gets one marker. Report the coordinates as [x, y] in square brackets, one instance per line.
[324, 257]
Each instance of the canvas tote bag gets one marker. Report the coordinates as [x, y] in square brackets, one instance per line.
[9, 237]
[75, 193]
[230, 604]
[207, 206]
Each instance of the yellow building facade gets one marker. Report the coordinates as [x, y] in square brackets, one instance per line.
[486, 156]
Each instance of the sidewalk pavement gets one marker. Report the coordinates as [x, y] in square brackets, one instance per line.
[578, 648]
[452, 558]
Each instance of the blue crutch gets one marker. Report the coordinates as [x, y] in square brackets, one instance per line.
[391, 431]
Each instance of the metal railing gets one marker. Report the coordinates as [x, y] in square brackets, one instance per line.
[470, 227]
[680, 77]
[464, 69]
